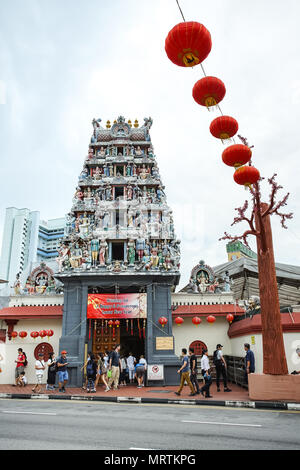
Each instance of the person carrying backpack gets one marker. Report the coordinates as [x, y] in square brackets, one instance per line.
[91, 373]
[221, 368]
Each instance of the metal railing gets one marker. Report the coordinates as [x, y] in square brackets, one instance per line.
[235, 370]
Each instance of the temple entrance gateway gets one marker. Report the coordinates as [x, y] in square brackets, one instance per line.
[122, 249]
[117, 319]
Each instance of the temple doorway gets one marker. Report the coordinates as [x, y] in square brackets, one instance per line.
[132, 338]
[130, 334]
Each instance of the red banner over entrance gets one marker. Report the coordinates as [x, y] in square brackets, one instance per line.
[114, 306]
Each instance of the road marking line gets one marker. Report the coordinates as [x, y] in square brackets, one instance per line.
[28, 412]
[139, 448]
[225, 424]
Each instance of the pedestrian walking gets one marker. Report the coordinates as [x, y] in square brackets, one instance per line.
[52, 369]
[205, 370]
[140, 372]
[91, 372]
[131, 361]
[63, 375]
[114, 367]
[123, 371]
[221, 368]
[143, 361]
[101, 372]
[185, 374]
[249, 361]
[20, 365]
[39, 371]
[193, 370]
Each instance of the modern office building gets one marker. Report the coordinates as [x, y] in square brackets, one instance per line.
[27, 241]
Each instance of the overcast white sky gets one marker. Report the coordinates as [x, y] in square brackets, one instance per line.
[65, 62]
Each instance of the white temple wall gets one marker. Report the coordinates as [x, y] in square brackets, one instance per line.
[9, 350]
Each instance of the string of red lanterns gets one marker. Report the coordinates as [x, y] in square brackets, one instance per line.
[187, 45]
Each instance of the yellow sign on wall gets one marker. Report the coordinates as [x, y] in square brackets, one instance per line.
[252, 340]
[164, 343]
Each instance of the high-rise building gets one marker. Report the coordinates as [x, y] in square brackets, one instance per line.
[27, 241]
[119, 261]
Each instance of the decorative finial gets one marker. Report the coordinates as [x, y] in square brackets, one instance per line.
[130, 123]
[108, 125]
[136, 123]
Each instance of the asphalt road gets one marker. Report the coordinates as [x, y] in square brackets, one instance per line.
[75, 425]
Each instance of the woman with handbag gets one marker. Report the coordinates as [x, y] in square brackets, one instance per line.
[101, 372]
[52, 369]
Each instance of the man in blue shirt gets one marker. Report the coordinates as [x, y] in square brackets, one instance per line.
[249, 361]
[185, 373]
[62, 371]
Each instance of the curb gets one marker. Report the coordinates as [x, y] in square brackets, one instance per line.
[164, 401]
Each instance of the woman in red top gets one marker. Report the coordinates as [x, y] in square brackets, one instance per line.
[20, 364]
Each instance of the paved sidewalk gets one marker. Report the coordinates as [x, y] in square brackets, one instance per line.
[238, 397]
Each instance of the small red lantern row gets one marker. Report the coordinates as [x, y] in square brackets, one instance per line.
[163, 321]
[14, 334]
[42, 333]
[34, 334]
[209, 91]
[196, 320]
[22, 334]
[188, 44]
[230, 318]
[179, 321]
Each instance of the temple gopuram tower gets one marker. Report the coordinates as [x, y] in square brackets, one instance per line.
[119, 260]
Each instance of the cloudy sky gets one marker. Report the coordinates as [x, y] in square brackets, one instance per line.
[63, 63]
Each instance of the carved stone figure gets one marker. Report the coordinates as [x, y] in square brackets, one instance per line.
[140, 247]
[94, 250]
[131, 252]
[75, 256]
[103, 251]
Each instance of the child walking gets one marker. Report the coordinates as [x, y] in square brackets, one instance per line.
[39, 370]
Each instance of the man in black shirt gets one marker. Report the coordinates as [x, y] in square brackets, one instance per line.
[114, 366]
[193, 368]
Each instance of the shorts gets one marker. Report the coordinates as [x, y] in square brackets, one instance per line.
[18, 371]
[39, 378]
[140, 372]
[63, 375]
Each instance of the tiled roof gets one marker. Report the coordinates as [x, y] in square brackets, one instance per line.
[218, 309]
[48, 311]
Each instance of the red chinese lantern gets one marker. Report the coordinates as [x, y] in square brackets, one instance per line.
[196, 320]
[188, 44]
[246, 175]
[49, 333]
[110, 323]
[117, 323]
[209, 91]
[224, 127]
[163, 321]
[236, 155]
[229, 317]
[211, 319]
[179, 321]
[14, 334]
[22, 334]
[42, 333]
[34, 334]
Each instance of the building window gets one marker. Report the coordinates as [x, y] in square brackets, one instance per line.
[198, 346]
